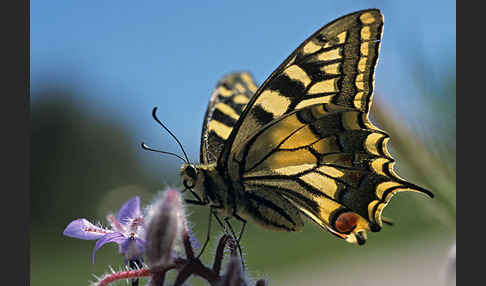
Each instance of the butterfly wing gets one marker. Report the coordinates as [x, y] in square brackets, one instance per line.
[335, 65]
[331, 163]
[227, 102]
[306, 135]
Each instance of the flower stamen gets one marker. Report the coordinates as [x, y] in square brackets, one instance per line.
[116, 224]
[98, 230]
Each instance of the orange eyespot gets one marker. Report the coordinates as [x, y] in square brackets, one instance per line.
[346, 222]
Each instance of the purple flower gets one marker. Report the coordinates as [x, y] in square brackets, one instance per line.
[127, 230]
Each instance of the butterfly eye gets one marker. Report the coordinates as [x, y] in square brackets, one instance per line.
[346, 222]
[191, 172]
[189, 176]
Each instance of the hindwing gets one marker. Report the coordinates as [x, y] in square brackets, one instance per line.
[326, 161]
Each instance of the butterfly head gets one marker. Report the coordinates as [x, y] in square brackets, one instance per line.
[190, 175]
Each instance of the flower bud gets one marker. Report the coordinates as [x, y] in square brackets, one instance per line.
[233, 275]
[163, 228]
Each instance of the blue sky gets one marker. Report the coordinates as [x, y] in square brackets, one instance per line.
[125, 57]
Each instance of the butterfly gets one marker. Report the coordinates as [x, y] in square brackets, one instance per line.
[301, 144]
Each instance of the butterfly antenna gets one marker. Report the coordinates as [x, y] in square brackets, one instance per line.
[154, 115]
[146, 147]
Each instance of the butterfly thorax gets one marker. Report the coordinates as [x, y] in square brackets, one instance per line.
[210, 186]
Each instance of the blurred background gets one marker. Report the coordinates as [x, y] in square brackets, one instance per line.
[99, 67]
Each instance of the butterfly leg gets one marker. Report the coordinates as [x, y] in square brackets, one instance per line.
[242, 227]
[220, 222]
[208, 236]
[212, 213]
[194, 202]
[237, 239]
[198, 200]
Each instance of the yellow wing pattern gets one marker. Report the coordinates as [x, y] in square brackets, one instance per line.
[335, 65]
[304, 141]
[326, 161]
[227, 102]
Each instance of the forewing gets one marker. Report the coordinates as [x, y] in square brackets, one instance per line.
[335, 65]
[227, 102]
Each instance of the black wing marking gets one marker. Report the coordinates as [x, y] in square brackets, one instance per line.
[334, 65]
[227, 102]
[325, 161]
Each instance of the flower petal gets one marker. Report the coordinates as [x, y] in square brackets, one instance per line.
[140, 243]
[129, 210]
[133, 248]
[83, 229]
[193, 239]
[110, 237]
